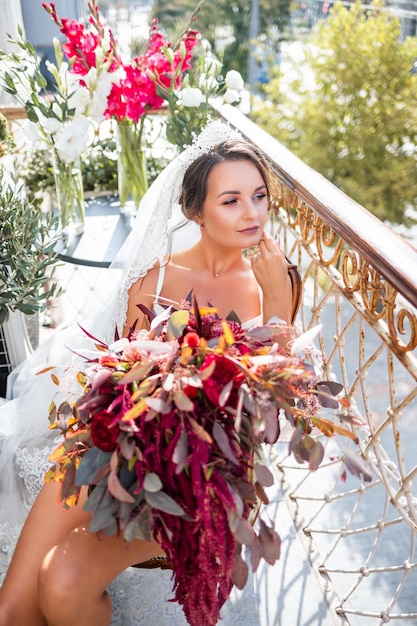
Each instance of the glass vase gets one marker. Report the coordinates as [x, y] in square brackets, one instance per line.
[69, 194]
[131, 166]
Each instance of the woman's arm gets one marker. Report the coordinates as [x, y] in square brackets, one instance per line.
[141, 292]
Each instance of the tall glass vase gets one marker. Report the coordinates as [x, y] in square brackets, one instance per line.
[131, 166]
[69, 194]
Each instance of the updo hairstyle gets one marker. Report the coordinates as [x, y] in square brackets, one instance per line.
[194, 187]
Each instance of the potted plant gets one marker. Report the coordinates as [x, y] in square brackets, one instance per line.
[28, 237]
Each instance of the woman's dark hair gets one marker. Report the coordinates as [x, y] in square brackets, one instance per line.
[194, 187]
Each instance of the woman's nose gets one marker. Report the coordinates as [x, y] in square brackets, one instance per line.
[250, 210]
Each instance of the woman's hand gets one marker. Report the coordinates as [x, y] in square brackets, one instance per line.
[270, 269]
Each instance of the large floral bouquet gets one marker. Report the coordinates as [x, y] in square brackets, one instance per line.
[167, 435]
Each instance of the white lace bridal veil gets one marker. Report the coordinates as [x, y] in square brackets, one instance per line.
[25, 440]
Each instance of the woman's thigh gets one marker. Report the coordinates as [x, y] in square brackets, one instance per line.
[94, 559]
[46, 525]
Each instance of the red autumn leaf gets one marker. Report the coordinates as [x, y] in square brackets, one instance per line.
[264, 475]
[223, 442]
[240, 572]
[182, 401]
[117, 490]
[271, 543]
[356, 467]
[199, 431]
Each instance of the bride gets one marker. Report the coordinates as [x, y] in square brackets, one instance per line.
[207, 206]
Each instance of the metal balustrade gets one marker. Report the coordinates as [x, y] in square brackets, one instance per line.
[360, 284]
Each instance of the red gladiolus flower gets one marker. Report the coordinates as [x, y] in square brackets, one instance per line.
[136, 93]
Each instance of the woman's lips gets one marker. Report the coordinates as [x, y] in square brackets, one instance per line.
[250, 230]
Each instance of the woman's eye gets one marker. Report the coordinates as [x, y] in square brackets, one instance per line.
[230, 201]
[260, 196]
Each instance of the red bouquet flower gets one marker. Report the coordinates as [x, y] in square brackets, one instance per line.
[166, 434]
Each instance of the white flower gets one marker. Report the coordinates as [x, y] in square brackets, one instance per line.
[98, 102]
[205, 44]
[50, 124]
[32, 132]
[72, 138]
[208, 83]
[79, 100]
[191, 97]
[231, 96]
[212, 66]
[234, 80]
[57, 110]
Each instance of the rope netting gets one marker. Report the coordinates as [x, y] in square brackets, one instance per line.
[357, 514]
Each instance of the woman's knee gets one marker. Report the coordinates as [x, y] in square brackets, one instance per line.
[61, 587]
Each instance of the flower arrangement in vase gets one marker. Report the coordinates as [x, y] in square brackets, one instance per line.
[134, 94]
[60, 119]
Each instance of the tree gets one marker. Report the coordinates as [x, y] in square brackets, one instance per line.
[228, 34]
[354, 117]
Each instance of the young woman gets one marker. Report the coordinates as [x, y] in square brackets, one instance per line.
[60, 571]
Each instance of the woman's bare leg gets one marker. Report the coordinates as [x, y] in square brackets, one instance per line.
[59, 571]
[47, 524]
[76, 573]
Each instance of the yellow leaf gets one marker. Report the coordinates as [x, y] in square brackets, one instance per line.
[55, 380]
[135, 411]
[206, 310]
[81, 378]
[326, 426]
[46, 369]
[186, 355]
[176, 324]
[346, 433]
[199, 430]
[57, 453]
[227, 334]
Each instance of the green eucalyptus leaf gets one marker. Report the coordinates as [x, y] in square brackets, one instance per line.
[176, 324]
[101, 519]
[117, 490]
[152, 482]
[162, 501]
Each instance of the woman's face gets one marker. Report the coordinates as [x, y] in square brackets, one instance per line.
[236, 206]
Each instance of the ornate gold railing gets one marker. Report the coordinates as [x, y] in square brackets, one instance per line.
[360, 283]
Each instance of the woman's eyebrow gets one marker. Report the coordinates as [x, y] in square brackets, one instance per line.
[224, 193]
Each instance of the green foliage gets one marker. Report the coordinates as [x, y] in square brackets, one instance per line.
[7, 143]
[99, 165]
[22, 78]
[99, 168]
[354, 118]
[190, 108]
[228, 33]
[27, 257]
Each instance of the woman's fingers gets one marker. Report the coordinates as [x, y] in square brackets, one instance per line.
[268, 244]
